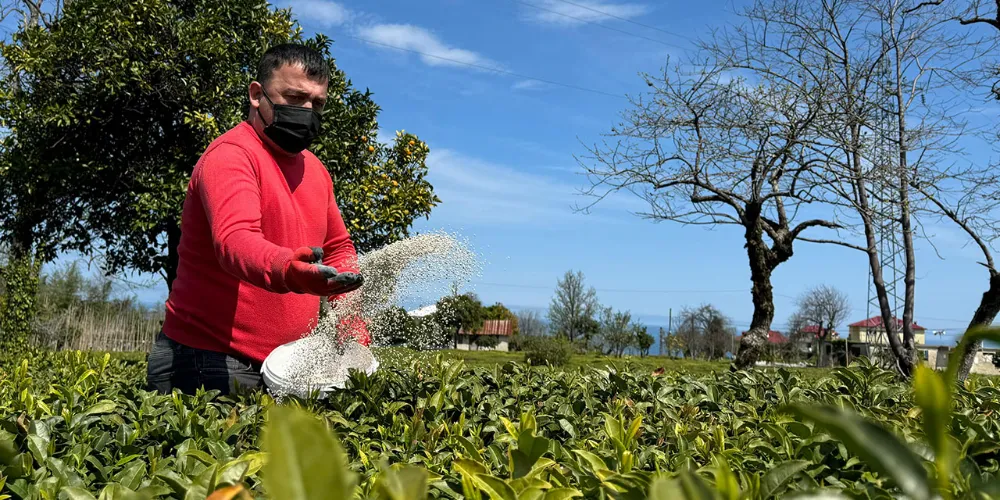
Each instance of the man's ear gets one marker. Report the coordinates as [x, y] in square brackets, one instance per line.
[256, 93]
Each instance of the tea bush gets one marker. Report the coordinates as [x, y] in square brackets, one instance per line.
[79, 426]
[552, 351]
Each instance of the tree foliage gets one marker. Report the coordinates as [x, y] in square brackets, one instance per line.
[460, 312]
[643, 340]
[499, 311]
[571, 313]
[617, 330]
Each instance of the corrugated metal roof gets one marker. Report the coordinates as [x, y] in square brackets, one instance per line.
[493, 327]
[876, 322]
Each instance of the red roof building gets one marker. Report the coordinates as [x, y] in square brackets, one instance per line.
[501, 327]
[876, 322]
[816, 331]
[871, 331]
[773, 337]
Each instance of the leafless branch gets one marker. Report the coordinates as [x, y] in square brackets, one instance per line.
[834, 242]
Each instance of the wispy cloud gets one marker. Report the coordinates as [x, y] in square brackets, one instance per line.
[322, 12]
[529, 85]
[434, 51]
[581, 11]
[482, 192]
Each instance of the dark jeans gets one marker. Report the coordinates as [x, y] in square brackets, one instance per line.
[172, 365]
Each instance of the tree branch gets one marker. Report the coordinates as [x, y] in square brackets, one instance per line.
[922, 5]
[835, 242]
[814, 223]
[961, 223]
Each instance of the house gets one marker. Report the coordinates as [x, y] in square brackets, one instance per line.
[773, 337]
[815, 331]
[985, 362]
[871, 332]
[502, 329]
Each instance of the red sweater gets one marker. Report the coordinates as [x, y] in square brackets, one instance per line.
[245, 212]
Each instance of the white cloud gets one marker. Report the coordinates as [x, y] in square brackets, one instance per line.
[563, 13]
[434, 51]
[528, 85]
[322, 12]
[477, 191]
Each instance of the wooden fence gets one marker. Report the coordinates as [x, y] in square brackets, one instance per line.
[100, 330]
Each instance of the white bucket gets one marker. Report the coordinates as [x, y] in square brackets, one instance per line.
[275, 366]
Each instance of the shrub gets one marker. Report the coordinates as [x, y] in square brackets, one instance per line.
[547, 350]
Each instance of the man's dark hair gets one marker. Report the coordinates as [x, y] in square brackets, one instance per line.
[289, 53]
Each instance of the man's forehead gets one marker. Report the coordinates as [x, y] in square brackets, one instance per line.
[292, 76]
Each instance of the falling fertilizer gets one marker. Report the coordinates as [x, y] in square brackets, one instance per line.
[422, 267]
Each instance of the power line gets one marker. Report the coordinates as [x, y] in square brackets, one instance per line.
[612, 290]
[599, 25]
[487, 68]
[637, 23]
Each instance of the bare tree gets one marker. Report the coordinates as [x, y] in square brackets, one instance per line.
[572, 305]
[529, 323]
[973, 205]
[822, 308]
[705, 331]
[707, 148]
[798, 335]
[688, 334]
[881, 66]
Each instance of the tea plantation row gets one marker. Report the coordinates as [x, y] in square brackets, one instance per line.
[79, 425]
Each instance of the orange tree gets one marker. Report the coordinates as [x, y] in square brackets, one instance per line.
[109, 105]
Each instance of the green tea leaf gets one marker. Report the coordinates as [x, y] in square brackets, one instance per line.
[116, 491]
[568, 427]
[633, 430]
[686, 486]
[495, 487]
[880, 449]
[100, 408]
[305, 460]
[613, 427]
[469, 448]
[75, 493]
[780, 474]
[39, 447]
[529, 449]
[819, 495]
[407, 483]
[593, 461]
[934, 399]
[562, 494]
[132, 476]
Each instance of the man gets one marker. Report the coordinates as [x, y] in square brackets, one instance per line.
[262, 239]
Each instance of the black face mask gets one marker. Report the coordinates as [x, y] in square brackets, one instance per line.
[293, 128]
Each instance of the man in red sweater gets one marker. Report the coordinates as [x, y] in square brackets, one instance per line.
[262, 238]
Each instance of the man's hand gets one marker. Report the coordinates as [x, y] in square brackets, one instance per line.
[304, 275]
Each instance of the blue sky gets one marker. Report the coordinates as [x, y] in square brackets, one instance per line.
[503, 146]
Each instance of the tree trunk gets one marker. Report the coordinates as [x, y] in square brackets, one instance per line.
[754, 342]
[173, 241]
[821, 352]
[909, 278]
[989, 307]
[21, 277]
[878, 281]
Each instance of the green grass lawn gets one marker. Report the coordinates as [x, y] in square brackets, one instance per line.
[650, 363]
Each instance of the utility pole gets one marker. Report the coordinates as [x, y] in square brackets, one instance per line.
[670, 330]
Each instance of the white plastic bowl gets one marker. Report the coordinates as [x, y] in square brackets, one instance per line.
[275, 366]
